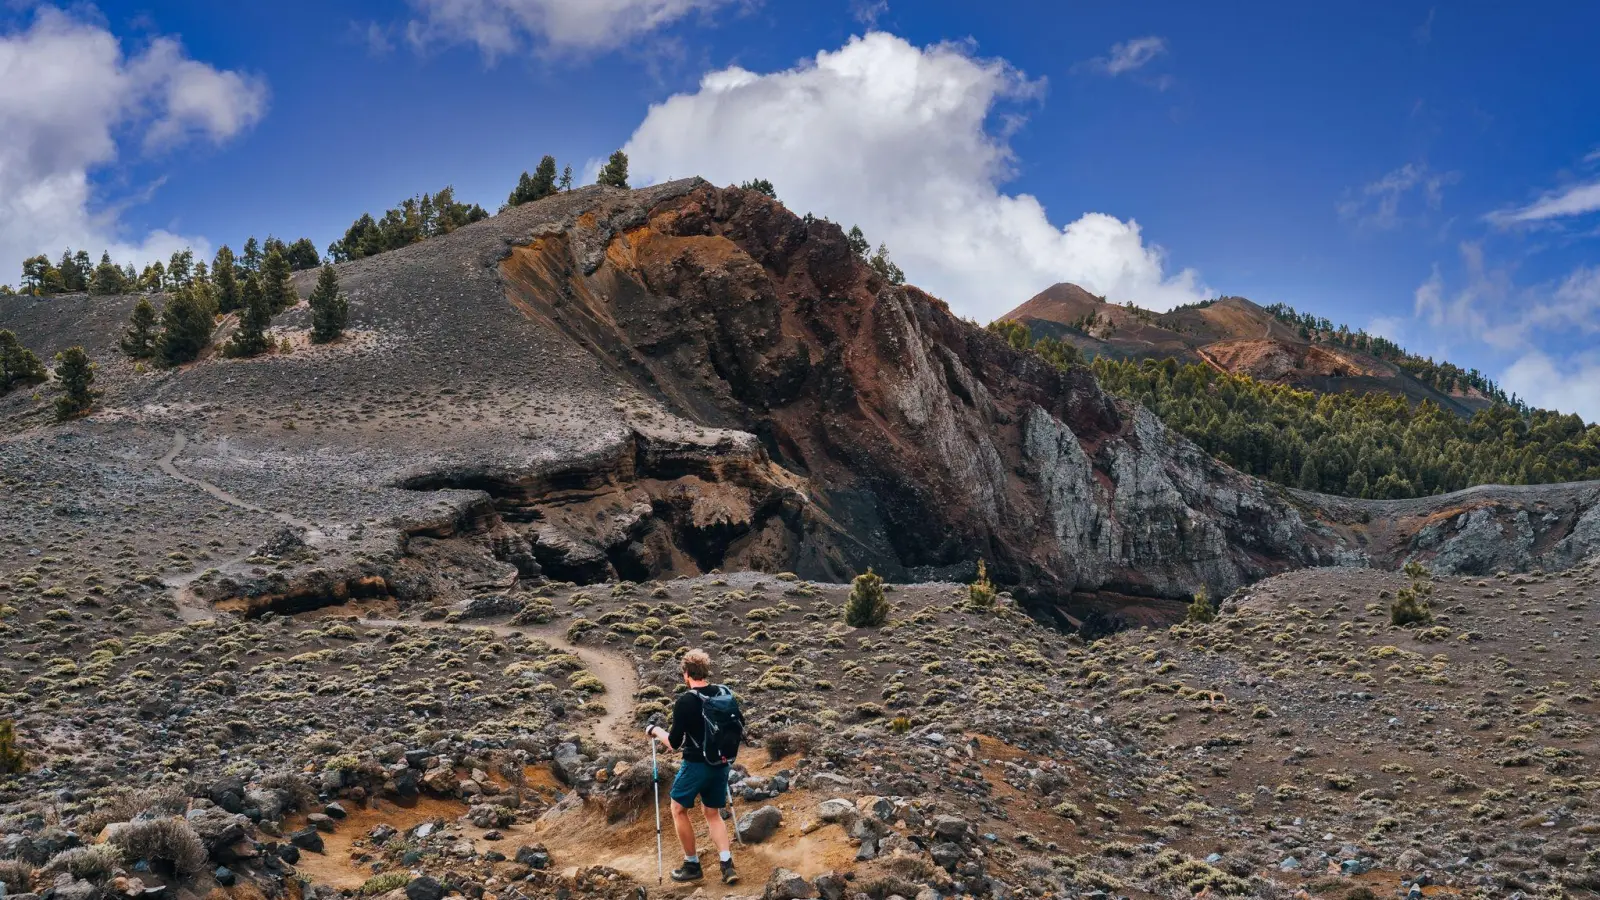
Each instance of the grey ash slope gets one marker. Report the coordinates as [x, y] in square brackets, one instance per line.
[642, 384]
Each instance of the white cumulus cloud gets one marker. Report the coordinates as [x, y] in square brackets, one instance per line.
[1569, 384]
[506, 26]
[896, 138]
[69, 96]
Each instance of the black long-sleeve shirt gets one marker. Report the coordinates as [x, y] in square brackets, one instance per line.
[688, 723]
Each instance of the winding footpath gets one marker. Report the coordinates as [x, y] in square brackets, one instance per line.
[615, 670]
[168, 465]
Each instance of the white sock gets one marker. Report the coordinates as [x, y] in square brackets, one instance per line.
[692, 859]
[725, 856]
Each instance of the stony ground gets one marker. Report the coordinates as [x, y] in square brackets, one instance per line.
[1300, 742]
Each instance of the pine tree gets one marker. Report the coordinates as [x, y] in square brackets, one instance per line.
[981, 593]
[185, 328]
[302, 255]
[520, 193]
[884, 266]
[565, 183]
[1410, 606]
[154, 278]
[544, 178]
[139, 341]
[225, 279]
[761, 186]
[539, 185]
[275, 282]
[250, 339]
[1310, 477]
[251, 260]
[74, 278]
[615, 171]
[1200, 612]
[330, 309]
[39, 277]
[108, 279]
[85, 269]
[76, 374]
[180, 269]
[857, 241]
[867, 604]
[18, 364]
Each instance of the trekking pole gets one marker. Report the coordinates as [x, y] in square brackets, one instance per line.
[655, 780]
[733, 813]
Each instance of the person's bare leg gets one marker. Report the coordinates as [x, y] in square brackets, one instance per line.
[684, 827]
[716, 829]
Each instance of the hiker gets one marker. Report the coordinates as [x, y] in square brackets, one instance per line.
[707, 726]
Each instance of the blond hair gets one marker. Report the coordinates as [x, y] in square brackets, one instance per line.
[697, 665]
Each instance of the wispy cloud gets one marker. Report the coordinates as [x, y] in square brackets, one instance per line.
[1378, 205]
[1129, 56]
[867, 12]
[499, 27]
[1424, 32]
[1577, 199]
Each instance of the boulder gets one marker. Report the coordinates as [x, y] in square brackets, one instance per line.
[424, 888]
[831, 886]
[217, 827]
[534, 857]
[950, 828]
[755, 827]
[307, 839]
[784, 885]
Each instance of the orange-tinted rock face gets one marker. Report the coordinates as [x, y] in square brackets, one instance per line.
[918, 442]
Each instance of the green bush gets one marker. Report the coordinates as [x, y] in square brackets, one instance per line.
[867, 604]
[1410, 606]
[1200, 612]
[12, 759]
[981, 593]
[383, 884]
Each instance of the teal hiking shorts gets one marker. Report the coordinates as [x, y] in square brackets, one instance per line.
[697, 779]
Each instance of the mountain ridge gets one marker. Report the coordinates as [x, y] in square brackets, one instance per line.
[1234, 335]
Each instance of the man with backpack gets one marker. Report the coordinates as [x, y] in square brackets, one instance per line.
[708, 727]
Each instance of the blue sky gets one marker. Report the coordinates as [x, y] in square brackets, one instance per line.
[1429, 170]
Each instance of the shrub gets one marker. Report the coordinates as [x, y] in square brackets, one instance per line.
[867, 605]
[981, 593]
[12, 759]
[16, 875]
[1200, 611]
[166, 800]
[383, 884]
[94, 863]
[1410, 606]
[161, 840]
[794, 740]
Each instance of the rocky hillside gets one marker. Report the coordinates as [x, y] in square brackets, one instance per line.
[611, 384]
[1299, 746]
[1232, 334]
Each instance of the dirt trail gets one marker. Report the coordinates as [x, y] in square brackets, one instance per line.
[615, 670]
[168, 465]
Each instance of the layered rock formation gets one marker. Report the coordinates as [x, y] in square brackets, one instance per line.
[637, 385]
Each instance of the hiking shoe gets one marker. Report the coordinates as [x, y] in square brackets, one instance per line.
[689, 871]
[729, 876]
